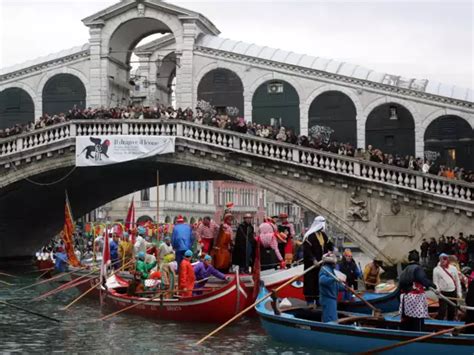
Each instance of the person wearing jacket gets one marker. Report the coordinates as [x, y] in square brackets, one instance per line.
[329, 288]
[413, 302]
[142, 268]
[181, 239]
[349, 268]
[186, 276]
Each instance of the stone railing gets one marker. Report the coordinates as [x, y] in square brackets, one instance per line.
[10, 149]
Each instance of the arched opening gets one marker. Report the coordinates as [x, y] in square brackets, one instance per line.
[62, 92]
[335, 110]
[391, 128]
[144, 219]
[276, 103]
[132, 78]
[452, 137]
[192, 220]
[222, 88]
[16, 107]
[167, 219]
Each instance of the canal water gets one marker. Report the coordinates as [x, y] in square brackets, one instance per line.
[80, 332]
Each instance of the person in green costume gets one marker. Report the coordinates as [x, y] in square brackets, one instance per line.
[142, 267]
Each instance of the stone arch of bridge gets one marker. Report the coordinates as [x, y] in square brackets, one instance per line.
[349, 105]
[17, 105]
[62, 92]
[362, 123]
[64, 70]
[229, 91]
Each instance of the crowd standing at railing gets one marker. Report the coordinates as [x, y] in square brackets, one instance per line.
[230, 120]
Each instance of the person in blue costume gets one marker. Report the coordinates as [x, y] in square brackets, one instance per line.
[61, 263]
[181, 238]
[329, 288]
[114, 255]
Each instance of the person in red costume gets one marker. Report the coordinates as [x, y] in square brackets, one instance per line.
[186, 275]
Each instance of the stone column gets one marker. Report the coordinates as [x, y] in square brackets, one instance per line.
[210, 192]
[304, 110]
[178, 191]
[184, 71]
[97, 77]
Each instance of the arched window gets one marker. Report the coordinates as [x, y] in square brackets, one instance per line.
[62, 92]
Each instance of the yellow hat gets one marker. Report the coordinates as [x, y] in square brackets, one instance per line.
[347, 252]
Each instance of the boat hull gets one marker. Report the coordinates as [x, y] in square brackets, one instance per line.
[215, 307]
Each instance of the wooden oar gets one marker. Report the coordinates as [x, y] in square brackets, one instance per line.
[424, 337]
[256, 303]
[375, 311]
[28, 311]
[65, 287]
[132, 306]
[5, 274]
[5, 283]
[46, 281]
[44, 273]
[439, 294]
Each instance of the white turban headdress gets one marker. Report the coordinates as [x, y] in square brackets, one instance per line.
[319, 224]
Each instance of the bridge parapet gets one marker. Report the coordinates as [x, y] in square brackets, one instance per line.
[14, 149]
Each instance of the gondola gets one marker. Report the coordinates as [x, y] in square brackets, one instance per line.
[355, 333]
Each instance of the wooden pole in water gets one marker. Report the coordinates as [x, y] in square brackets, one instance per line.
[157, 201]
[255, 303]
[28, 311]
[424, 337]
[48, 280]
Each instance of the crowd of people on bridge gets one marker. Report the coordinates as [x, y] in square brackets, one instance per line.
[229, 120]
[460, 249]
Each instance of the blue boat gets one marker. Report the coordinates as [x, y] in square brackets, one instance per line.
[355, 333]
[386, 302]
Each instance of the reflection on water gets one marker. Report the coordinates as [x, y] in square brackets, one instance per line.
[80, 331]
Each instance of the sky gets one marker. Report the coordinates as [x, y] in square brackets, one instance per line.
[426, 39]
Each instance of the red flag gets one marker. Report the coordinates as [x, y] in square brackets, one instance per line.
[256, 269]
[67, 235]
[130, 220]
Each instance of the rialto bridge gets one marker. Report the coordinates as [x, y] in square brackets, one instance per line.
[385, 209]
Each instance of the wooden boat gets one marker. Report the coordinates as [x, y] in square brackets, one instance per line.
[386, 302]
[354, 333]
[215, 305]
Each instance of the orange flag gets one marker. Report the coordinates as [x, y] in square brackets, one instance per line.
[68, 231]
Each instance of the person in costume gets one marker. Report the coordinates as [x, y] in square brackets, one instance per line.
[446, 279]
[168, 274]
[61, 261]
[372, 273]
[315, 244]
[141, 244]
[349, 268]
[288, 251]
[204, 269]
[181, 239]
[270, 255]
[223, 244]
[413, 302]
[125, 251]
[114, 255]
[329, 287]
[142, 267]
[206, 232]
[165, 249]
[243, 254]
[186, 275]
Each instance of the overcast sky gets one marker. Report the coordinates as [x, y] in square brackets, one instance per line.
[425, 39]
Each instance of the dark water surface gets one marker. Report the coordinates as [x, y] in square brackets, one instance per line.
[80, 332]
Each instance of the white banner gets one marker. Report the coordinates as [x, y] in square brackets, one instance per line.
[104, 150]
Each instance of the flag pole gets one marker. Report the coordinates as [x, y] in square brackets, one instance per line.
[157, 199]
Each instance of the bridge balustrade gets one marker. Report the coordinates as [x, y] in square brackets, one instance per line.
[243, 143]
